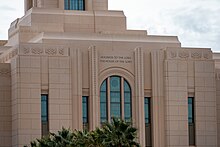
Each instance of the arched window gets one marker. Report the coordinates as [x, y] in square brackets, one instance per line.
[127, 101]
[115, 99]
[103, 102]
[74, 5]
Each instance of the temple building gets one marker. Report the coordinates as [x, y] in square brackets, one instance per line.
[74, 64]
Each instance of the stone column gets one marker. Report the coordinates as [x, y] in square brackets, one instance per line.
[139, 95]
[157, 99]
[77, 89]
[94, 89]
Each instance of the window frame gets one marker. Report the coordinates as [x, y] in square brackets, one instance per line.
[44, 123]
[191, 124]
[85, 100]
[148, 126]
[70, 5]
[108, 92]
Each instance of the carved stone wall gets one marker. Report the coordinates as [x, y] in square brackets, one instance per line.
[5, 106]
[189, 72]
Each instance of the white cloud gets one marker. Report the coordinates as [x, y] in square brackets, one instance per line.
[195, 22]
[9, 11]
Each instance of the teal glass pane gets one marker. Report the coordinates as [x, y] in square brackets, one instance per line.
[85, 109]
[104, 86]
[115, 96]
[74, 5]
[126, 86]
[81, 5]
[116, 110]
[66, 4]
[127, 110]
[103, 110]
[115, 83]
[103, 101]
[147, 110]
[127, 97]
[44, 108]
[103, 96]
[190, 110]
[127, 101]
[103, 92]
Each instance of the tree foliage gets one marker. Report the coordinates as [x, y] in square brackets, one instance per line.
[117, 133]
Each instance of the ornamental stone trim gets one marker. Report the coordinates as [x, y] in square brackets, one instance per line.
[196, 55]
[39, 49]
[183, 54]
[34, 49]
[188, 54]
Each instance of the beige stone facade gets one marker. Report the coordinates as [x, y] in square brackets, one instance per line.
[67, 54]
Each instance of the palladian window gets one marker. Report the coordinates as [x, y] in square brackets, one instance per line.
[115, 99]
[74, 4]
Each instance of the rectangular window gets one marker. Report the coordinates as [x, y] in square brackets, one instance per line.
[44, 115]
[191, 121]
[147, 113]
[85, 112]
[74, 5]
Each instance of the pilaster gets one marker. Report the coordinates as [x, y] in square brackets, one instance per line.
[157, 99]
[94, 94]
[77, 89]
[139, 95]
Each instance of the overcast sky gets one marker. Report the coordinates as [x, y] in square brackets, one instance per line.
[195, 22]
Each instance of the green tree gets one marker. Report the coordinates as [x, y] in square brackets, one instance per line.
[117, 133]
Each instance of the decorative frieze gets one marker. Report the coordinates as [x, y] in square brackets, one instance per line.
[196, 55]
[183, 54]
[51, 51]
[187, 54]
[39, 49]
[34, 49]
[173, 54]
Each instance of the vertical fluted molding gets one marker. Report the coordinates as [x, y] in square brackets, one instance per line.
[94, 94]
[139, 95]
[77, 89]
[157, 99]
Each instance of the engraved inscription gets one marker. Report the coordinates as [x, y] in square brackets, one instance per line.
[116, 59]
